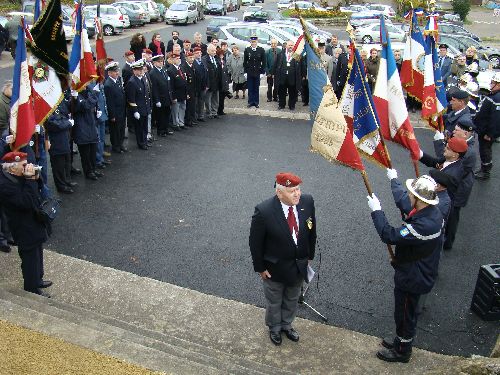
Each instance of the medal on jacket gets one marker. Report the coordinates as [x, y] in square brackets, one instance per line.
[309, 223]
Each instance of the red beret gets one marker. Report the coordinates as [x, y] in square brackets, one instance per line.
[189, 53]
[128, 53]
[186, 41]
[15, 156]
[175, 55]
[147, 50]
[457, 145]
[197, 49]
[288, 179]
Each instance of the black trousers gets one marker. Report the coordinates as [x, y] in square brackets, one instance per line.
[88, 157]
[61, 170]
[190, 114]
[485, 152]
[161, 118]
[222, 97]
[31, 266]
[451, 227]
[140, 129]
[405, 317]
[117, 132]
[304, 91]
[272, 89]
[292, 95]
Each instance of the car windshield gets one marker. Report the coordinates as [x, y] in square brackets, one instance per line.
[254, 9]
[178, 6]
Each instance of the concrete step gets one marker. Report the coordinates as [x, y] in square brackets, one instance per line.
[111, 336]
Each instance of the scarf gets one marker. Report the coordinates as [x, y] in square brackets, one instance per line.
[158, 47]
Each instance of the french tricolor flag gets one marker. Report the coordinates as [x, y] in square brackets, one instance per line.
[390, 102]
[22, 116]
[81, 62]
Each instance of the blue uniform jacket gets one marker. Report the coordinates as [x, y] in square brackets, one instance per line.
[85, 128]
[101, 104]
[59, 128]
[417, 241]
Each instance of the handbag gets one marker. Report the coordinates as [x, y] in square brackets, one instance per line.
[48, 209]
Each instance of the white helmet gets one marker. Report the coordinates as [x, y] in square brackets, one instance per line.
[472, 89]
[424, 188]
[473, 68]
[466, 78]
[496, 77]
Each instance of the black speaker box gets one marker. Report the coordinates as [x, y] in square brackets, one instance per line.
[486, 298]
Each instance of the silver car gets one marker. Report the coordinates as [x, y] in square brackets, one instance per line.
[239, 34]
[150, 7]
[371, 33]
[181, 13]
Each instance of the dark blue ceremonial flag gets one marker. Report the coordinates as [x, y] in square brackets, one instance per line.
[318, 79]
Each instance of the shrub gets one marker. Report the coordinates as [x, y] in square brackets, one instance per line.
[461, 7]
[315, 14]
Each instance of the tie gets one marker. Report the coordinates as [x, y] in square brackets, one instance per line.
[180, 72]
[213, 61]
[440, 61]
[292, 223]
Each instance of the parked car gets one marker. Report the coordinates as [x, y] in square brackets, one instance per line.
[312, 28]
[295, 30]
[371, 33]
[353, 9]
[365, 18]
[284, 4]
[181, 13]
[251, 10]
[111, 23]
[215, 23]
[451, 28]
[216, 7]
[306, 5]
[247, 2]
[151, 8]
[162, 9]
[233, 5]
[200, 8]
[264, 16]
[29, 7]
[462, 42]
[386, 10]
[137, 8]
[239, 33]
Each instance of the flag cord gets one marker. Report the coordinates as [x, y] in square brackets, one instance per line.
[370, 192]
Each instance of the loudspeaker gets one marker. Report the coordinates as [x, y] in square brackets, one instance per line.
[486, 298]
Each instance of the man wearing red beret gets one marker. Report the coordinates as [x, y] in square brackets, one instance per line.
[282, 242]
[20, 197]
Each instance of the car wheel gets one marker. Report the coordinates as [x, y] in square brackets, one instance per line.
[495, 61]
[367, 39]
[108, 30]
[195, 19]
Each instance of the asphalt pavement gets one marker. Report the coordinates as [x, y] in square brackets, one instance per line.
[180, 213]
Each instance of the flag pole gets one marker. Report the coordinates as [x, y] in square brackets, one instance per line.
[370, 192]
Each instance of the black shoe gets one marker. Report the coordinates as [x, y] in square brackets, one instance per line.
[291, 334]
[106, 162]
[75, 171]
[40, 293]
[176, 128]
[74, 152]
[45, 284]
[194, 123]
[256, 106]
[143, 147]
[292, 108]
[269, 100]
[65, 190]
[91, 176]
[229, 95]
[482, 175]
[275, 337]
[221, 113]
[305, 104]
[72, 184]
[216, 116]
[124, 149]
[5, 248]
[280, 108]
[117, 151]
[169, 132]
[275, 99]
[99, 174]
[390, 355]
[183, 127]
[100, 166]
[388, 343]
[250, 106]
[201, 120]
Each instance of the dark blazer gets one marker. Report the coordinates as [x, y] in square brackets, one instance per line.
[177, 83]
[161, 91]
[213, 73]
[203, 47]
[20, 198]
[446, 69]
[190, 73]
[85, 128]
[254, 62]
[127, 73]
[170, 44]
[59, 128]
[271, 243]
[454, 170]
[284, 73]
[201, 76]
[135, 92]
[451, 119]
[271, 60]
[342, 72]
[115, 99]
[152, 47]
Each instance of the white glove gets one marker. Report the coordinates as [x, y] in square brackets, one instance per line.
[37, 128]
[245, 75]
[262, 76]
[96, 88]
[374, 203]
[71, 121]
[420, 153]
[137, 115]
[99, 114]
[392, 173]
[438, 136]
[158, 105]
[74, 93]
[9, 139]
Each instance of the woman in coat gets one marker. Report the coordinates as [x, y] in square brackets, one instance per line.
[156, 45]
[235, 68]
[372, 68]
[137, 45]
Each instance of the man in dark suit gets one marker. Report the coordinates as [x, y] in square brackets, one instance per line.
[201, 84]
[282, 242]
[162, 97]
[254, 63]
[127, 68]
[179, 92]
[190, 72]
[459, 111]
[213, 81]
[342, 72]
[272, 55]
[444, 63]
[175, 40]
[288, 76]
[117, 109]
[138, 104]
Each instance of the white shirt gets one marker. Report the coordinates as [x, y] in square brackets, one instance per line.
[285, 212]
[446, 163]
